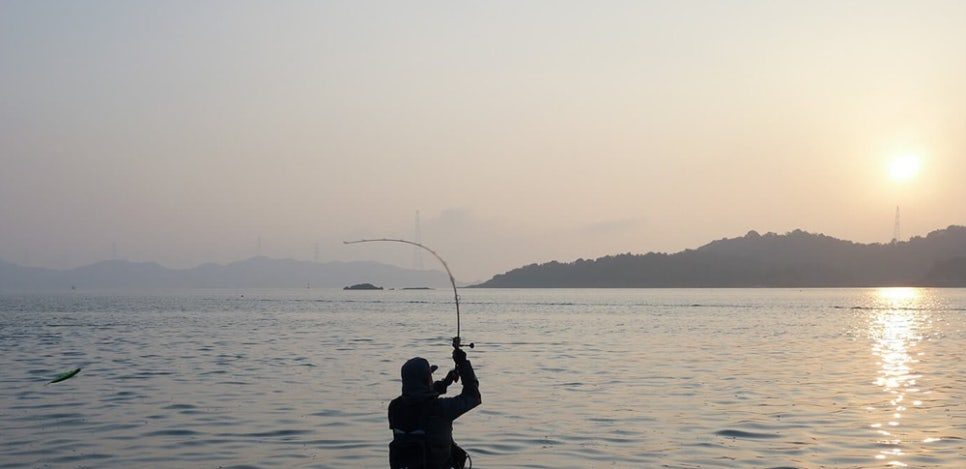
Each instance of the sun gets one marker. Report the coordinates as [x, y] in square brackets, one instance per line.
[905, 167]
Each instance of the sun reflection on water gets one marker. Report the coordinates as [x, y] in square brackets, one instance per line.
[895, 330]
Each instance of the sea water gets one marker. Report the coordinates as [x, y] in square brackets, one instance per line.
[570, 378]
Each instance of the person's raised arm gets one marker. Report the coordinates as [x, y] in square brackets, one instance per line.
[441, 385]
[470, 397]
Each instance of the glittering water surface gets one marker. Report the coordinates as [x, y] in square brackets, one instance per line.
[570, 378]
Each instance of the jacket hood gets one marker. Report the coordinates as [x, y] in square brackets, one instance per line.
[417, 379]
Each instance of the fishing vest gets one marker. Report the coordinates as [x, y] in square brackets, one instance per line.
[412, 446]
[409, 448]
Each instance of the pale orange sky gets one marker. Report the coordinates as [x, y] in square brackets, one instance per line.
[522, 131]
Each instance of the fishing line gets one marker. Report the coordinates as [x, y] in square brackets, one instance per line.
[452, 281]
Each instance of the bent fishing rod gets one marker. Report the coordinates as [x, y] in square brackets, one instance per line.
[457, 343]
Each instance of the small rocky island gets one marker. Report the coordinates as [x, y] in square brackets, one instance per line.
[363, 286]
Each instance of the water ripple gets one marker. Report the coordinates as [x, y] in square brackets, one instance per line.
[571, 378]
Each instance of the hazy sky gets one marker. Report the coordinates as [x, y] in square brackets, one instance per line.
[522, 131]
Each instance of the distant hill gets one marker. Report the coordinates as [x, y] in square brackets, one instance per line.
[257, 272]
[794, 259]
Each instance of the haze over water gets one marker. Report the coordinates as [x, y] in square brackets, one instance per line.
[570, 378]
[501, 134]
[193, 132]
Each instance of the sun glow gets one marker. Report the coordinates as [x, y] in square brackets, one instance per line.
[904, 167]
[897, 297]
[898, 324]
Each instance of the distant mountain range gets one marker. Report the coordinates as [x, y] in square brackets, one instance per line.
[794, 259]
[257, 272]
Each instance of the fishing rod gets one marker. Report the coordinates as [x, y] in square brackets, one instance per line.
[457, 343]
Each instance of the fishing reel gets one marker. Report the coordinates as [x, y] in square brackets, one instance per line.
[457, 343]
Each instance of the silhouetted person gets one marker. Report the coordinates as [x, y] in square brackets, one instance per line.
[422, 422]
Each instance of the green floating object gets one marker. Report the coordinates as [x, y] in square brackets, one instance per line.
[65, 376]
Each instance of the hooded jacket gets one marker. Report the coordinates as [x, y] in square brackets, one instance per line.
[420, 414]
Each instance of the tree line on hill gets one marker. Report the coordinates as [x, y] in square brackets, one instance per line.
[794, 259]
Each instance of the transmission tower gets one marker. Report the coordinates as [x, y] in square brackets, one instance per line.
[417, 253]
[896, 231]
